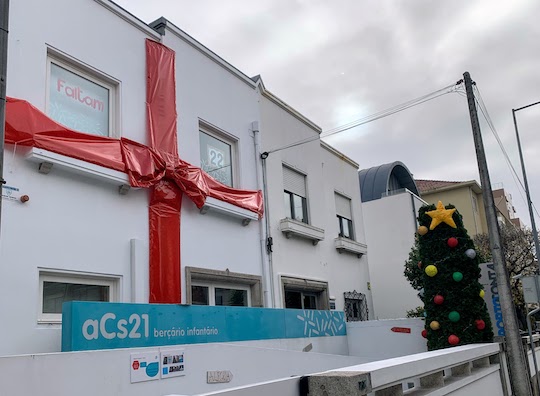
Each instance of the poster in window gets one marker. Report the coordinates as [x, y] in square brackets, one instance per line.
[77, 102]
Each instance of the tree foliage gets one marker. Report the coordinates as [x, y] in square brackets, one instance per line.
[519, 254]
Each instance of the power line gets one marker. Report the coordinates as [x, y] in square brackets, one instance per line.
[515, 176]
[376, 116]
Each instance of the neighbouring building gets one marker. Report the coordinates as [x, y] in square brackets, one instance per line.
[506, 213]
[390, 204]
[466, 196]
[316, 235]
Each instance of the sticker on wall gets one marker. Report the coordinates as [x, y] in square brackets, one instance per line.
[218, 377]
[10, 193]
[172, 363]
[144, 366]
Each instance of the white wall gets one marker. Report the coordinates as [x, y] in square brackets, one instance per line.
[108, 372]
[78, 224]
[326, 173]
[375, 339]
[71, 222]
[390, 224]
[207, 91]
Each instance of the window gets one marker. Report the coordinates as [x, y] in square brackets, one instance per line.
[304, 293]
[344, 216]
[79, 99]
[217, 156]
[295, 195]
[58, 288]
[213, 287]
[224, 295]
[355, 306]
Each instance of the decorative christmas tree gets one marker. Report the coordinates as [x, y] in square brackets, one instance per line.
[456, 313]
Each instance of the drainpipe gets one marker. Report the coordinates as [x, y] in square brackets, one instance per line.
[264, 231]
[4, 20]
[477, 210]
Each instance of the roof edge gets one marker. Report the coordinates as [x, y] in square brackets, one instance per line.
[339, 154]
[129, 17]
[163, 24]
[469, 183]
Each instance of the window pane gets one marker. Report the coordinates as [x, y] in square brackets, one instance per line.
[216, 158]
[298, 208]
[56, 293]
[199, 295]
[287, 203]
[293, 299]
[310, 301]
[77, 102]
[231, 297]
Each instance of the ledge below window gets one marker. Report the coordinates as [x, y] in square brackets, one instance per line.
[348, 245]
[215, 205]
[48, 160]
[292, 227]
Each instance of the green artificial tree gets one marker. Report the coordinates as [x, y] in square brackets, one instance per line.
[456, 312]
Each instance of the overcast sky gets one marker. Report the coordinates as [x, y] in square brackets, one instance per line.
[336, 61]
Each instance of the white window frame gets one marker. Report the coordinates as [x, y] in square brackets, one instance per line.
[212, 290]
[82, 70]
[113, 282]
[227, 138]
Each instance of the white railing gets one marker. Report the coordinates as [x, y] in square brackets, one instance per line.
[465, 370]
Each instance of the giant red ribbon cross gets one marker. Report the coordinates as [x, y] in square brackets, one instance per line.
[158, 166]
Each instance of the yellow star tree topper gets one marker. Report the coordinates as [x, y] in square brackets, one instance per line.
[441, 215]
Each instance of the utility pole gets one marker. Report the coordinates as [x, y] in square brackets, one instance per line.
[519, 372]
[4, 22]
[529, 202]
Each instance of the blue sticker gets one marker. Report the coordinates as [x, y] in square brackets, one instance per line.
[152, 369]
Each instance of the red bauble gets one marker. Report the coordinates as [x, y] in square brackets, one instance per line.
[424, 333]
[452, 242]
[438, 299]
[453, 340]
[480, 324]
[420, 264]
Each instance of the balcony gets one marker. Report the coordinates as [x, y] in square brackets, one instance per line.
[348, 245]
[298, 229]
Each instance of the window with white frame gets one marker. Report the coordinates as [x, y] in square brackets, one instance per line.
[304, 293]
[220, 294]
[344, 216]
[295, 195]
[56, 288]
[215, 287]
[79, 98]
[217, 153]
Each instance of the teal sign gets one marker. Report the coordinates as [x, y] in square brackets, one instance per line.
[96, 325]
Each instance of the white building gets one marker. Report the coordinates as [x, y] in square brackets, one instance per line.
[390, 206]
[77, 237]
[314, 216]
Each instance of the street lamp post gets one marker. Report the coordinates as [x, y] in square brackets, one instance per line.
[529, 202]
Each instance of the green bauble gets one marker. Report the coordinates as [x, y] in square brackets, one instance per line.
[454, 316]
[458, 276]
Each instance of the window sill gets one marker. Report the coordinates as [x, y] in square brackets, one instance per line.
[296, 228]
[215, 205]
[48, 160]
[348, 245]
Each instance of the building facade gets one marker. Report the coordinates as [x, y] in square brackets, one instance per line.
[315, 228]
[390, 204]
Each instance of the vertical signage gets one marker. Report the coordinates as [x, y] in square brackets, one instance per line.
[488, 280]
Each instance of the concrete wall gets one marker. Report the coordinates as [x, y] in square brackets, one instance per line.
[74, 223]
[390, 230]
[108, 372]
[327, 173]
[375, 339]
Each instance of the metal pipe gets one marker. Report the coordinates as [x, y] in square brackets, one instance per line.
[529, 202]
[4, 23]
[533, 349]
